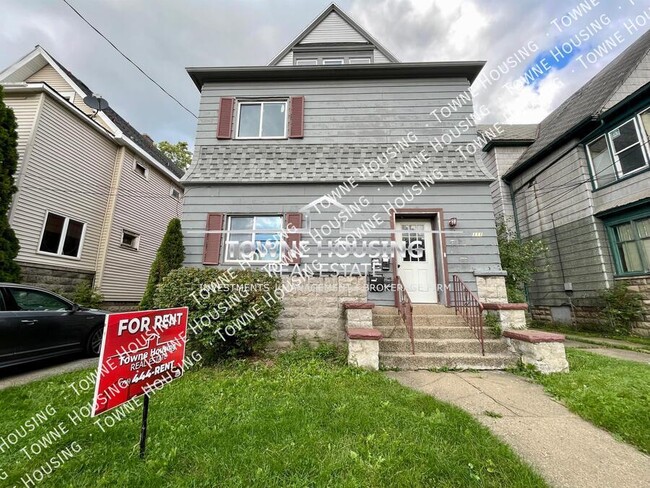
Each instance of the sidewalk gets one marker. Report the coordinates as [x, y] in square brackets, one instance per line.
[45, 371]
[566, 450]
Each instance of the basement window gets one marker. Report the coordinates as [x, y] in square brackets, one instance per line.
[130, 240]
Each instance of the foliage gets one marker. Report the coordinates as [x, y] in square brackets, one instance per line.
[170, 255]
[518, 258]
[232, 312]
[493, 323]
[87, 296]
[611, 393]
[9, 246]
[178, 153]
[285, 423]
[622, 308]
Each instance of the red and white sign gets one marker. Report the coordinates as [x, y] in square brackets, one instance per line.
[141, 351]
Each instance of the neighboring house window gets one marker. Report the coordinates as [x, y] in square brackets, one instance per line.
[307, 62]
[262, 120]
[175, 193]
[621, 152]
[330, 61]
[62, 236]
[130, 240]
[141, 170]
[630, 243]
[361, 60]
[253, 238]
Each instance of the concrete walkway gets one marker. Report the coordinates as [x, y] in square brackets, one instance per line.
[46, 372]
[612, 352]
[566, 450]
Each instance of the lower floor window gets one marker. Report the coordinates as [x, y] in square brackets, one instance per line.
[254, 238]
[62, 236]
[631, 245]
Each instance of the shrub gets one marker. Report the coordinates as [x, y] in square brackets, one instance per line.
[518, 258]
[493, 323]
[622, 308]
[86, 295]
[170, 255]
[229, 316]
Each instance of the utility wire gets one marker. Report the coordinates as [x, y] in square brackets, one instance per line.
[130, 60]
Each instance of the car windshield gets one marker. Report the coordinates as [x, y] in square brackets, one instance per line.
[35, 300]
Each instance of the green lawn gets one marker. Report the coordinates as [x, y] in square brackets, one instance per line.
[612, 393]
[640, 343]
[300, 420]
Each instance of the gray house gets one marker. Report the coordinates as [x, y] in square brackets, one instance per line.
[94, 194]
[335, 139]
[580, 180]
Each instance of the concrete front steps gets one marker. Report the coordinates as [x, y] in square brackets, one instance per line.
[442, 340]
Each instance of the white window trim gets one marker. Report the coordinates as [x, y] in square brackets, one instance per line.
[342, 61]
[614, 154]
[259, 131]
[171, 193]
[252, 232]
[64, 231]
[356, 59]
[137, 163]
[137, 240]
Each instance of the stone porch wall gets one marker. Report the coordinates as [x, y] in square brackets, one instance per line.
[313, 309]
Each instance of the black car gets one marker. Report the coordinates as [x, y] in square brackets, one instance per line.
[38, 324]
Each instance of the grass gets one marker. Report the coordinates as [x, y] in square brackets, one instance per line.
[591, 337]
[300, 420]
[611, 393]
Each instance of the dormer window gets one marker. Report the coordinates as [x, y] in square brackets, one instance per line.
[332, 61]
[307, 62]
[359, 60]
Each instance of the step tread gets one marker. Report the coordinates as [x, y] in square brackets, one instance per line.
[452, 340]
[450, 355]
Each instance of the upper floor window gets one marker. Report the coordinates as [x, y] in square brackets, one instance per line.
[141, 170]
[622, 151]
[262, 120]
[61, 236]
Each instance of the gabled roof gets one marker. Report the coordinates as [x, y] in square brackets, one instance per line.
[39, 58]
[584, 106]
[510, 135]
[319, 163]
[333, 8]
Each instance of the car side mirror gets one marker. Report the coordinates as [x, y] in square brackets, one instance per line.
[75, 308]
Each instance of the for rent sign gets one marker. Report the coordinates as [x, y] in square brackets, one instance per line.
[140, 351]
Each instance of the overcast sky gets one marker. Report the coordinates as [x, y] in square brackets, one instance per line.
[165, 36]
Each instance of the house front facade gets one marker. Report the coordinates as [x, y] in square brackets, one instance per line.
[335, 142]
[94, 195]
[580, 181]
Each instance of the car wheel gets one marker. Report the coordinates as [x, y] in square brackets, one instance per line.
[94, 342]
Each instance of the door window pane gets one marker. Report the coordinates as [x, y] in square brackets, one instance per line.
[601, 159]
[273, 122]
[413, 240]
[249, 120]
[33, 300]
[52, 233]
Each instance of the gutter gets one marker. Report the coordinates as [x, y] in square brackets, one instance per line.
[118, 137]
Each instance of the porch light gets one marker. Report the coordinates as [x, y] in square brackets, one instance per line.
[453, 222]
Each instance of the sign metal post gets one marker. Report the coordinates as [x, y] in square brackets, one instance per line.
[143, 429]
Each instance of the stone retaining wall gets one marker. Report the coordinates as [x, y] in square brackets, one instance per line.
[59, 280]
[641, 285]
[313, 310]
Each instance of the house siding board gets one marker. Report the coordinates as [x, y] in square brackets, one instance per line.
[333, 28]
[144, 207]
[379, 57]
[286, 60]
[25, 109]
[55, 167]
[622, 193]
[348, 111]
[465, 253]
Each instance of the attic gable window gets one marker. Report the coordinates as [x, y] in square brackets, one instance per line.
[359, 60]
[262, 120]
[333, 61]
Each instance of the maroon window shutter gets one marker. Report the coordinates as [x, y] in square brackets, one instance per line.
[224, 126]
[293, 221]
[297, 118]
[212, 241]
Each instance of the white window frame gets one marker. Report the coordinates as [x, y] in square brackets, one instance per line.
[310, 62]
[325, 63]
[359, 60]
[137, 163]
[591, 162]
[252, 232]
[64, 231]
[173, 190]
[136, 237]
[614, 154]
[259, 129]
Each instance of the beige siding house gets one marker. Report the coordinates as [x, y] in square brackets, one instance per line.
[94, 195]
